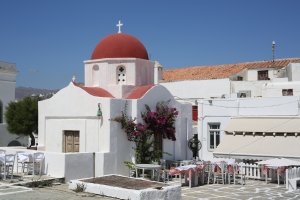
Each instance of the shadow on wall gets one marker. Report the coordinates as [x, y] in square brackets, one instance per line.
[14, 143]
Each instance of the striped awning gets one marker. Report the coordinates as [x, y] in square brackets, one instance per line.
[278, 137]
[264, 124]
[258, 147]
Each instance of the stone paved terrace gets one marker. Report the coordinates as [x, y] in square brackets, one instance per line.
[252, 190]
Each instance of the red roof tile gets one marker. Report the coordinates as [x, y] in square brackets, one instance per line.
[221, 71]
[95, 91]
[139, 92]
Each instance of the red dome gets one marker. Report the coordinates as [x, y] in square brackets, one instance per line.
[120, 45]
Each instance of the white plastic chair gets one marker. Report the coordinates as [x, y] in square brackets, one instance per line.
[9, 165]
[210, 169]
[38, 161]
[220, 175]
[20, 161]
[239, 176]
[2, 162]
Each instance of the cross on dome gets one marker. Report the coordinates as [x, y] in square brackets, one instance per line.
[119, 25]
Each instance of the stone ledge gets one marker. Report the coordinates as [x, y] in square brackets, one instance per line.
[166, 192]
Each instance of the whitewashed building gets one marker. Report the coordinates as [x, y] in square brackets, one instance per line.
[118, 73]
[246, 110]
[8, 73]
[249, 128]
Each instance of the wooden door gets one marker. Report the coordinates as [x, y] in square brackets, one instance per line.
[71, 141]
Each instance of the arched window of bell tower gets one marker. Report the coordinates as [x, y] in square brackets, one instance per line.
[121, 75]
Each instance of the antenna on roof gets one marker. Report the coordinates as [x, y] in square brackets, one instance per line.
[273, 50]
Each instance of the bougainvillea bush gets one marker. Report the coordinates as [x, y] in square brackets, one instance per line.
[161, 121]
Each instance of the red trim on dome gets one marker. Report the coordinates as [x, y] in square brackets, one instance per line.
[95, 91]
[139, 92]
[120, 45]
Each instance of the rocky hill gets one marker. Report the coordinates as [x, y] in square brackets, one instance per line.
[22, 92]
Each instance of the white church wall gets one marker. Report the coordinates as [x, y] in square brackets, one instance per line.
[103, 72]
[55, 164]
[184, 131]
[196, 89]
[55, 129]
[129, 66]
[144, 72]
[120, 148]
[62, 165]
[78, 165]
[176, 149]
[55, 116]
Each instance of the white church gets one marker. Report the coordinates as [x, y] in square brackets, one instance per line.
[118, 73]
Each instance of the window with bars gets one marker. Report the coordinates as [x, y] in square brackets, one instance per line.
[287, 92]
[213, 135]
[263, 75]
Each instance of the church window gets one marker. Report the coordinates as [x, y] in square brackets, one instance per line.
[95, 67]
[121, 75]
[71, 141]
[1, 112]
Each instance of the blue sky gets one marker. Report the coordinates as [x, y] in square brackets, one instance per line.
[49, 39]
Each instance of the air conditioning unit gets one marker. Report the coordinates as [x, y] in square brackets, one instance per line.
[244, 94]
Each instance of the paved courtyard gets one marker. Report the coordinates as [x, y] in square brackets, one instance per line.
[252, 190]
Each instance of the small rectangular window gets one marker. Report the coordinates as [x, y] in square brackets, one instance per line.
[214, 135]
[239, 78]
[263, 75]
[287, 92]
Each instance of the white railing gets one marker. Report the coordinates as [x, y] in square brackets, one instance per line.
[292, 174]
[251, 171]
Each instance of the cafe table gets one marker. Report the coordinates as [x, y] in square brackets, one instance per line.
[144, 167]
[192, 173]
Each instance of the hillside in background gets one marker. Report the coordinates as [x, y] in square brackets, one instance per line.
[22, 92]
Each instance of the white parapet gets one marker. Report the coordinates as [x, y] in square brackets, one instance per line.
[166, 192]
